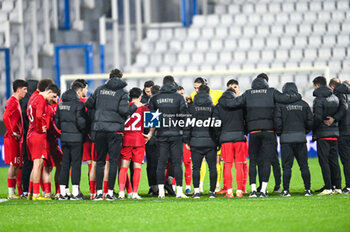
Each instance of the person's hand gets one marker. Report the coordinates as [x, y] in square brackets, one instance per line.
[303, 99]
[44, 129]
[147, 137]
[188, 147]
[188, 99]
[329, 121]
[16, 135]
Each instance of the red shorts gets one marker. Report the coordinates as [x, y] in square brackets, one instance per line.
[187, 155]
[37, 147]
[87, 150]
[136, 154]
[234, 152]
[13, 151]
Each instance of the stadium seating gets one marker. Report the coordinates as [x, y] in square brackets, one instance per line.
[257, 34]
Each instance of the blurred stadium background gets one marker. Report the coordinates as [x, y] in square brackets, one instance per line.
[290, 40]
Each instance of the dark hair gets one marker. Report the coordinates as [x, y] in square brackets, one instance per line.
[203, 89]
[231, 90]
[320, 80]
[155, 89]
[232, 82]
[201, 80]
[168, 79]
[135, 93]
[82, 81]
[148, 84]
[54, 88]
[263, 76]
[44, 83]
[334, 82]
[77, 85]
[19, 84]
[179, 87]
[115, 73]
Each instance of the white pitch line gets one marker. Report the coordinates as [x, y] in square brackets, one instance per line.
[3, 200]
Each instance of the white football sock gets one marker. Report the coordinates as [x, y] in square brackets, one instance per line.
[229, 191]
[75, 190]
[253, 187]
[196, 190]
[179, 190]
[99, 192]
[63, 190]
[188, 187]
[110, 192]
[11, 191]
[161, 189]
[263, 187]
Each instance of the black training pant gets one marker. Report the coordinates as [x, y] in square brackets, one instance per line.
[107, 142]
[344, 152]
[27, 167]
[262, 148]
[327, 151]
[276, 168]
[197, 155]
[170, 147]
[152, 156]
[72, 156]
[299, 151]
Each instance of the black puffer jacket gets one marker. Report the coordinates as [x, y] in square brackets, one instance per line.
[343, 93]
[71, 117]
[170, 104]
[260, 103]
[202, 110]
[232, 121]
[110, 103]
[325, 104]
[293, 121]
[145, 98]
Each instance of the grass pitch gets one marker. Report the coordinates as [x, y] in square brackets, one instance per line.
[297, 213]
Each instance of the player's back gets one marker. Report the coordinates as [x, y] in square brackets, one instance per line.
[14, 117]
[133, 131]
[36, 112]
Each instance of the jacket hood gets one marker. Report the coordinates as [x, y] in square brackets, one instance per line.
[290, 88]
[202, 99]
[342, 89]
[260, 83]
[116, 83]
[168, 88]
[32, 86]
[69, 95]
[323, 92]
[228, 94]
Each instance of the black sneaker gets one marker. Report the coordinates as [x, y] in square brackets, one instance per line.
[308, 193]
[253, 194]
[277, 189]
[196, 196]
[63, 198]
[285, 193]
[263, 194]
[212, 195]
[346, 190]
[111, 198]
[169, 189]
[319, 190]
[77, 198]
[98, 197]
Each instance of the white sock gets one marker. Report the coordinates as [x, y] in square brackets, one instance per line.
[253, 187]
[196, 190]
[110, 192]
[43, 192]
[122, 194]
[263, 187]
[218, 184]
[179, 190]
[67, 191]
[239, 191]
[174, 187]
[188, 187]
[63, 190]
[229, 191]
[99, 192]
[201, 184]
[161, 189]
[11, 191]
[75, 190]
[25, 193]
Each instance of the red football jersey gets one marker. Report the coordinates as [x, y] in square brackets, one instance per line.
[13, 117]
[134, 128]
[36, 112]
[53, 132]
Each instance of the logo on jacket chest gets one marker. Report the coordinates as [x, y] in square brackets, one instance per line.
[294, 107]
[203, 108]
[64, 107]
[255, 91]
[165, 100]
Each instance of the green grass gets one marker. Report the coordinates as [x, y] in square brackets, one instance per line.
[297, 213]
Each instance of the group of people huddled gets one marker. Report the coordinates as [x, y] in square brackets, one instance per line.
[107, 131]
